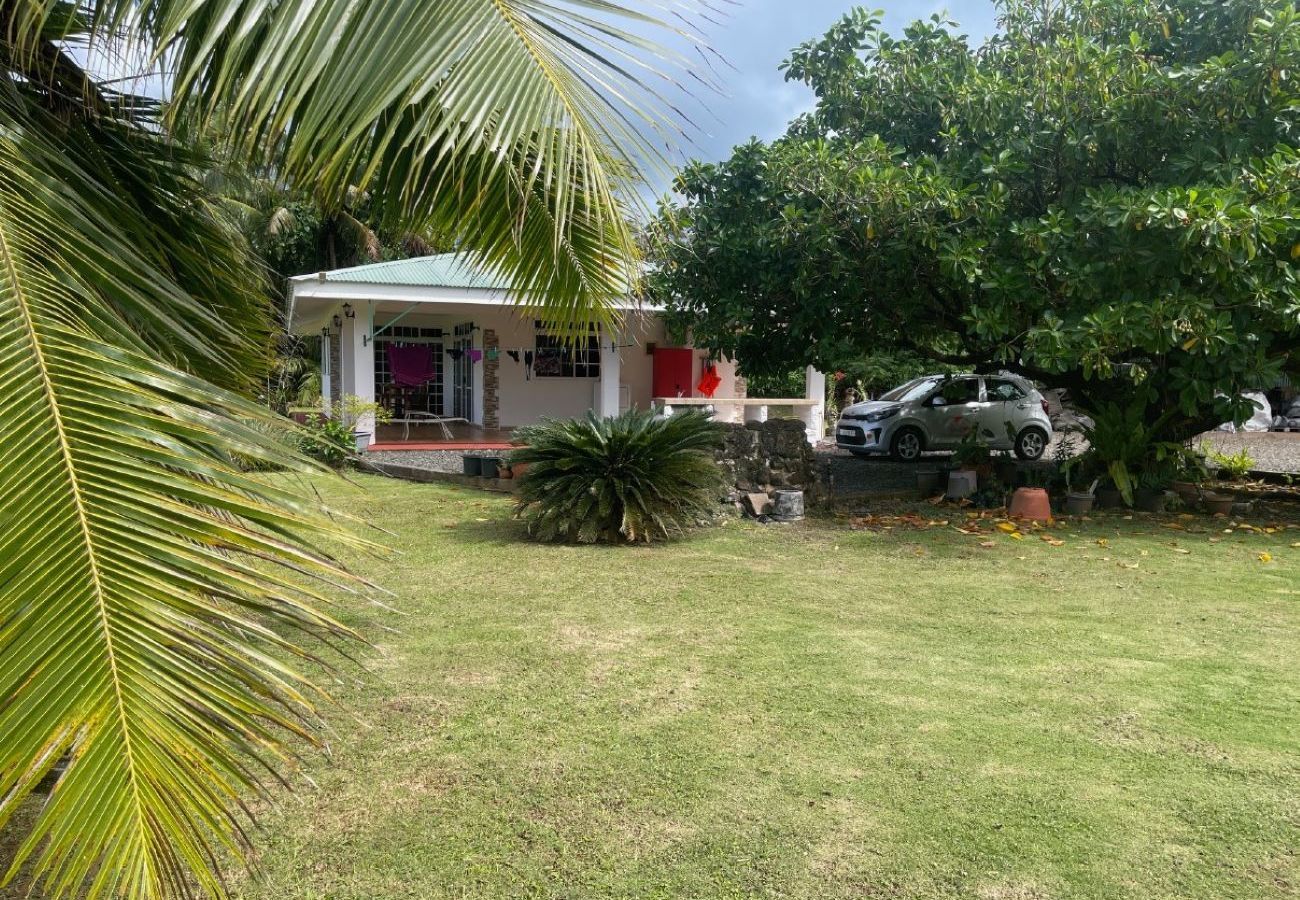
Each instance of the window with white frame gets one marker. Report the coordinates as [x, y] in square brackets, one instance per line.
[427, 398]
[558, 357]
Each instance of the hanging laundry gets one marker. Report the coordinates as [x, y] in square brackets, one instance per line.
[474, 355]
[456, 353]
[528, 365]
[513, 354]
[493, 354]
[709, 380]
[411, 365]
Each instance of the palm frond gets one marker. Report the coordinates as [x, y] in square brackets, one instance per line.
[148, 585]
[456, 115]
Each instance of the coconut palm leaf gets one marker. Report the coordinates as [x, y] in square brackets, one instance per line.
[516, 126]
[152, 590]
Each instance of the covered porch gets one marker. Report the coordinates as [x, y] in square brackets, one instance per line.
[483, 366]
[427, 436]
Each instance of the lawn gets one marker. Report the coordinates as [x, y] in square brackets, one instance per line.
[805, 711]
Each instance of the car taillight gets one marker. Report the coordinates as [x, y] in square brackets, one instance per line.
[1044, 404]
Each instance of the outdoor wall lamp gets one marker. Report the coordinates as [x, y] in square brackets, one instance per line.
[338, 323]
[348, 311]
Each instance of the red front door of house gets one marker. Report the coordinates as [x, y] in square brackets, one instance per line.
[674, 368]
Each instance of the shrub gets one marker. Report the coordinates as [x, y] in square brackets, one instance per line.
[1238, 465]
[328, 440]
[637, 477]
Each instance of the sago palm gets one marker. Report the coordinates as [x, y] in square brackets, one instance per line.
[150, 587]
[635, 477]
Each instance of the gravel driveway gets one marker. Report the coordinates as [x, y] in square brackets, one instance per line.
[850, 475]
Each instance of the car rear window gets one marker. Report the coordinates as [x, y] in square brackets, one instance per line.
[999, 389]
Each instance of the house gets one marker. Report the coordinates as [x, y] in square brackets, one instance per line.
[492, 368]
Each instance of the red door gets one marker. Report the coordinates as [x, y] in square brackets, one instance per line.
[674, 368]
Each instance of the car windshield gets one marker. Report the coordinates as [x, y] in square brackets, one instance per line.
[913, 390]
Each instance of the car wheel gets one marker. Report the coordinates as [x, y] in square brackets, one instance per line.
[1031, 444]
[907, 445]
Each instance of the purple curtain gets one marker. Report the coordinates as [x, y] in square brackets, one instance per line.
[412, 365]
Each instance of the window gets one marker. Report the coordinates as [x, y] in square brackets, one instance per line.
[558, 358]
[999, 390]
[398, 400]
[960, 390]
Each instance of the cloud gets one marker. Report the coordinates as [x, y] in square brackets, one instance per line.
[753, 39]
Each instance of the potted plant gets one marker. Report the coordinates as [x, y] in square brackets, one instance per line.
[1005, 468]
[362, 416]
[1191, 473]
[973, 454]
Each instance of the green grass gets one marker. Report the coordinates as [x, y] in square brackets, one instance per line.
[805, 711]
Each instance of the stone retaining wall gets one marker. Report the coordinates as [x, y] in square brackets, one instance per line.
[760, 457]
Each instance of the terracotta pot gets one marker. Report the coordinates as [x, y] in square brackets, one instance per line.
[1030, 503]
[1078, 504]
[519, 469]
[1188, 491]
[1219, 504]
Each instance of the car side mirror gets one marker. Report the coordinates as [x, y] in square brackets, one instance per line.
[938, 401]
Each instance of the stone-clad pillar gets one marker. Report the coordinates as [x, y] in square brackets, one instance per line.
[491, 379]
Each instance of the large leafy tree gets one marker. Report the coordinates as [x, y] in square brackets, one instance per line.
[1103, 195]
[151, 587]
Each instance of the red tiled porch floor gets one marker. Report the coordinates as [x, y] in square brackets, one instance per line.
[430, 437]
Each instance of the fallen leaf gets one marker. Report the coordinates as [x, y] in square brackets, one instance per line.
[1264, 556]
[988, 544]
[1103, 542]
[1007, 527]
[1181, 550]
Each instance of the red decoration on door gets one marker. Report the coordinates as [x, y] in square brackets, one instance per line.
[709, 381]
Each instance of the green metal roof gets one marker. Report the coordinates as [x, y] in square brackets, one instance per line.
[453, 270]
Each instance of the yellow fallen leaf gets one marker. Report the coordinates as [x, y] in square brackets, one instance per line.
[1296, 545]
[1129, 565]
[1007, 527]
[1103, 542]
[1181, 550]
[1265, 556]
[1017, 535]
[1048, 539]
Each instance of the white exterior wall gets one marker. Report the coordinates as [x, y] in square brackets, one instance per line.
[521, 400]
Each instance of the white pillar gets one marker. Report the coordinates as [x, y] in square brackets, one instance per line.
[611, 365]
[357, 359]
[815, 389]
[326, 376]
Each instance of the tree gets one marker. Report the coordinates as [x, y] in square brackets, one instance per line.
[151, 586]
[1102, 196]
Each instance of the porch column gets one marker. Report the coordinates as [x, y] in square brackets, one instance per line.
[357, 363]
[611, 364]
[815, 389]
[478, 382]
[491, 379]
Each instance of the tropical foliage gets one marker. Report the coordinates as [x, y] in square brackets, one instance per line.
[636, 477]
[1102, 196]
[151, 584]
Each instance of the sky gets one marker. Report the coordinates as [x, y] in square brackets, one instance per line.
[756, 36]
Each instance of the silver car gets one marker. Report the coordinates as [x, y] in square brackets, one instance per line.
[935, 412]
